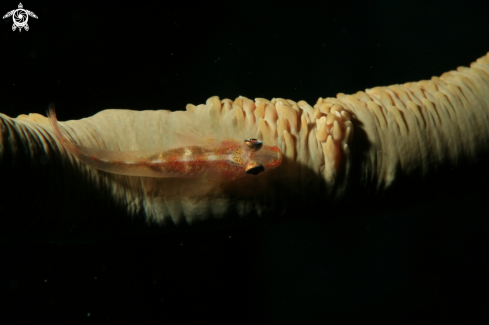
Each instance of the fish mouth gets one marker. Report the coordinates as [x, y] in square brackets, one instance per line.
[275, 156]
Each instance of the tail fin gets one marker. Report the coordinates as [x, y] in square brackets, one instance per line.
[69, 145]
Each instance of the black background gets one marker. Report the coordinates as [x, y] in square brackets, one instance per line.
[420, 262]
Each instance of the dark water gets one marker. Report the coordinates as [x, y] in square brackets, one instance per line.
[410, 261]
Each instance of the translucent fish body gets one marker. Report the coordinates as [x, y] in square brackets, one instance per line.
[224, 160]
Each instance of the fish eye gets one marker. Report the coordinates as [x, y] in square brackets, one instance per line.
[253, 144]
[254, 168]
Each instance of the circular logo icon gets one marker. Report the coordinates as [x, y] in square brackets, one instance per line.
[20, 17]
